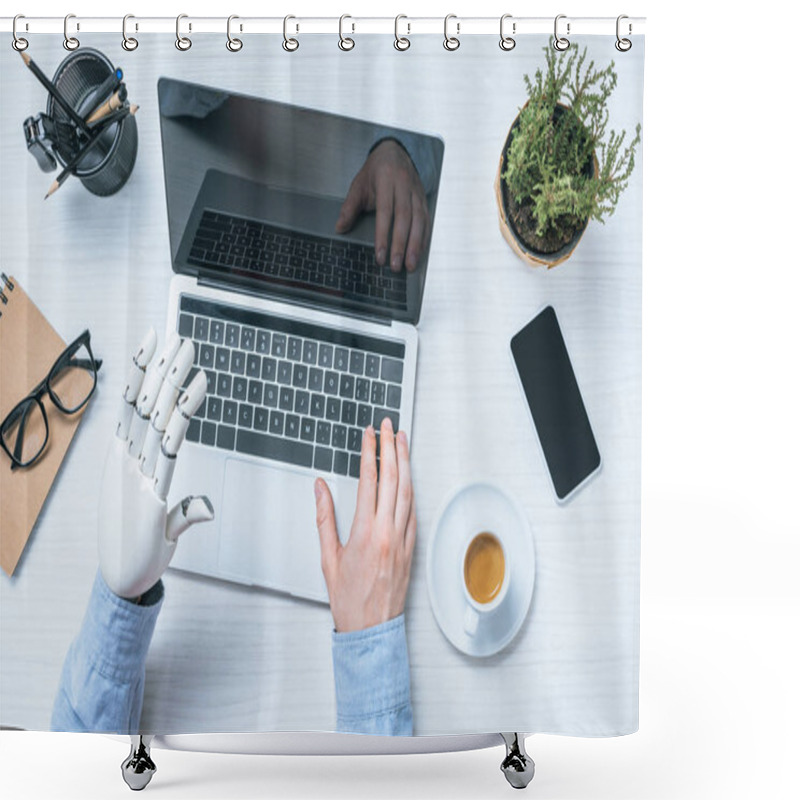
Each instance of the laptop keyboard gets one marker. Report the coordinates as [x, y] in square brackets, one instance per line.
[336, 267]
[287, 390]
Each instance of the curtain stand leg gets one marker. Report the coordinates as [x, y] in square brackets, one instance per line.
[138, 768]
[517, 766]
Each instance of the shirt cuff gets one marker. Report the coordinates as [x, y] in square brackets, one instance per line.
[116, 632]
[413, 150]
[373, 684]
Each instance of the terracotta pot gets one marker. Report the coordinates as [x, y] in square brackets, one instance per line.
[533, 257]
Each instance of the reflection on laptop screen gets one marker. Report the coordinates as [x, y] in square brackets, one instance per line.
[255, 189]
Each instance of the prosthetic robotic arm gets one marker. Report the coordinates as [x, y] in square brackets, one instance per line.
[137, 533]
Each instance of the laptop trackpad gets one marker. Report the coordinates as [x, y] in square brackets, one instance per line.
[268, 535]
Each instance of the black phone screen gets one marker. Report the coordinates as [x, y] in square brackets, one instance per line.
[555, 402]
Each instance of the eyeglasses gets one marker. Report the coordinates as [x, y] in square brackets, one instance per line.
[70, 383]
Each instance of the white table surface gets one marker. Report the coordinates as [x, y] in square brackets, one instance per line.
[229, 658]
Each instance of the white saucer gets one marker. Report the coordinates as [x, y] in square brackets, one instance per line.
[469, 510]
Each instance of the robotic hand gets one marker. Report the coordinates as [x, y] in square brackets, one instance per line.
[137, 535]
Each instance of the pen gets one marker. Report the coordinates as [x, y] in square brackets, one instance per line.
[96, 133]
[54, 93]
[112, 104]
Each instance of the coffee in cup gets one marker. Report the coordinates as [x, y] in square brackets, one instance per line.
[484, 567]
[485, 576]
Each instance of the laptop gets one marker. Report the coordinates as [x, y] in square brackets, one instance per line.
[304, 339]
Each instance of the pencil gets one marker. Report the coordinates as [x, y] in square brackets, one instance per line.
[113, 117]
[110, 84]
[112, 104]
[96, 134]
[54, 93]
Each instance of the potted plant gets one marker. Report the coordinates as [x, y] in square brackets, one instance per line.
[559, 167]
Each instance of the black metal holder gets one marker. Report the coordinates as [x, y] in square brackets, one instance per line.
[82, 80]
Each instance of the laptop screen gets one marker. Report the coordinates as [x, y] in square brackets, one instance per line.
[298, 204]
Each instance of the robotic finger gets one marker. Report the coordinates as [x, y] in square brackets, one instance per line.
[148, 395]
[188, 403]
[167, 395]
[136, 371]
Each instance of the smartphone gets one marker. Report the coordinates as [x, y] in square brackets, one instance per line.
[555, 402]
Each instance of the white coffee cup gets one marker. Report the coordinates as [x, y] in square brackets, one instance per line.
[485, 577]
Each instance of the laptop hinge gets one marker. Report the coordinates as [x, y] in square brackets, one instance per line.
[213, 283]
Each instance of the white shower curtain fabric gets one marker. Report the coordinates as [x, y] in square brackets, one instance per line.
[240, 634]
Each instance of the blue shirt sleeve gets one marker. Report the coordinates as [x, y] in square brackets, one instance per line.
[102, 681]
[373, 683]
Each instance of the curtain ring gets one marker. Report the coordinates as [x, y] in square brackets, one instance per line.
[128, 42]
[70, 42]
[289, 44]
[507, 42]
[451, 43]
[183, 43]
[560, 43]
[623, 45]
[233, 44]
[401, 42]
[346, 42]
[18, 42]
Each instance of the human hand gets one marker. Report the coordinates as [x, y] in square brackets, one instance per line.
[137, 535]
[368, 577]
[389, 184]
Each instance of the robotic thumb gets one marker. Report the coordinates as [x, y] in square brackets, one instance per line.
[189, 511]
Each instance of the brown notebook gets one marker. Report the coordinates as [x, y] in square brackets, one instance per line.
[28, 349]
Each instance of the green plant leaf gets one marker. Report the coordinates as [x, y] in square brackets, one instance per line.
[560, 135]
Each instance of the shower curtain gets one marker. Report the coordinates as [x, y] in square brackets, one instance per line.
[447, 239]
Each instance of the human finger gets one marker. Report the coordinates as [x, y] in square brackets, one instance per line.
[416, 237]
[190, 400]
[387, 485]
[384, 208]
[354, 203]
[410, 532]
[367, 483]
[405, 489]
[136, 372]
[328, 537]
[165, 402]
[148, 394]
[401, 225]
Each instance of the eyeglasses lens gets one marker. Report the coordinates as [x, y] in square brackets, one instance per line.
[25, 432]
[74, 379]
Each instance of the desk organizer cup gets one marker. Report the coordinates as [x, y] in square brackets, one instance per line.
[105, 169]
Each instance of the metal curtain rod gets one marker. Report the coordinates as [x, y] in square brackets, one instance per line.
[406, 25]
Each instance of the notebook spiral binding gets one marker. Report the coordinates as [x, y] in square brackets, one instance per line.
[451, 41]
[8, 287]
